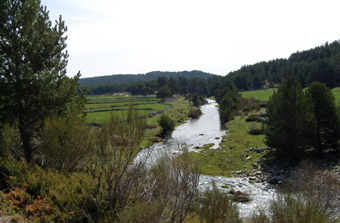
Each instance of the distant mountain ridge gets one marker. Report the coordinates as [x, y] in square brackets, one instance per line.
[133, 78]
[321, 64]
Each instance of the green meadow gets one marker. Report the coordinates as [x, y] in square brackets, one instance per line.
[263, 95]
[100, 108]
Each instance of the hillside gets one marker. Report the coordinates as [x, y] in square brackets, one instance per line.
[321, 64]
[133, 78]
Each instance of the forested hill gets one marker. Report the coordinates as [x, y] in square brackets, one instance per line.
[321, 64]
[122, 79]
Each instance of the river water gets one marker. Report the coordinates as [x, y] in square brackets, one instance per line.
[206, 130]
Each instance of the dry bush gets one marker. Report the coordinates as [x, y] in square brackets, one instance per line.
[42, 195]
[294, 208]
[173, 182]
[320, 187]
[111, 168]
[217, 206]
[313, 196]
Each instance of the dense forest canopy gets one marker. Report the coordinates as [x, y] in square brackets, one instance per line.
[121, 82]
[320, 64]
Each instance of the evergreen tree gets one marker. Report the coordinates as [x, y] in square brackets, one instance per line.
[290, 120]
[182, 85]
[228, 100]
[162, 81]
[173, 85]
[164, 92]
[326, 119]
[33, 81]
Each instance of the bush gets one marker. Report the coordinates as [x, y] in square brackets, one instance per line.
[195, 113]
[10, 142]
[294, 208]
[44, 195]
[167, 126]
[312, 196]
[318, 186]
[65, 143]
[252, 118]
[217, 206]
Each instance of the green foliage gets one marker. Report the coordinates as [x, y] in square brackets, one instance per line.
[123, 82]
[290, 120]
[228, 101]
[116, 145]
[290, 208]
[317, 64]
[10, 142]
[33, 79]
[326, 120]
[167, 125]
[197, 100]
[164, 92]
[261, 95]
[233, 152]
[195, 113]
[66, 142]
[44, 195]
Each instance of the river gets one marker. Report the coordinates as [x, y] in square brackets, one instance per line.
[202, 131]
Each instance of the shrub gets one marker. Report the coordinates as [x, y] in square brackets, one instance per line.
[195, 113]
[167, 125]
[217, 206]
[318, 186]
[44, 195]
[10, 142]
[294, 208]
[111, 167]
[65, 143]
[252, 118]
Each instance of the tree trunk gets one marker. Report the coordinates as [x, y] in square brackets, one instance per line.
[26, 136]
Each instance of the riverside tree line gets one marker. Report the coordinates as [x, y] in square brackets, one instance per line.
[56, 168]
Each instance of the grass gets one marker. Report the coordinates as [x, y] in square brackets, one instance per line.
[261, 95]
[233, 154]
[100, 108]
[179, 113]
[336, 93]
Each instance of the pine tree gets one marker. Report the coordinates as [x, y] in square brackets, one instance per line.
[290, 120]
[33, 81]
[326, 119]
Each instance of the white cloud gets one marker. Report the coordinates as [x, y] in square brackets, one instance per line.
[217, 36]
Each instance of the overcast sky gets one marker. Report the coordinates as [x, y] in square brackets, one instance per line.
[108, 37]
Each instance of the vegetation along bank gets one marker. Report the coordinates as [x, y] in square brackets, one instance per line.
[55, 167]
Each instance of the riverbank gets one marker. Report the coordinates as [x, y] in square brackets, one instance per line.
[178, 112]
[233, 157]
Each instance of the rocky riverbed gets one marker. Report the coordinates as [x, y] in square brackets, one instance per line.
[206, 130]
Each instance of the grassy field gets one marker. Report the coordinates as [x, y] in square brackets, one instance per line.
[263, 95]
[100, 108]
[233, 154]
[336, 93]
